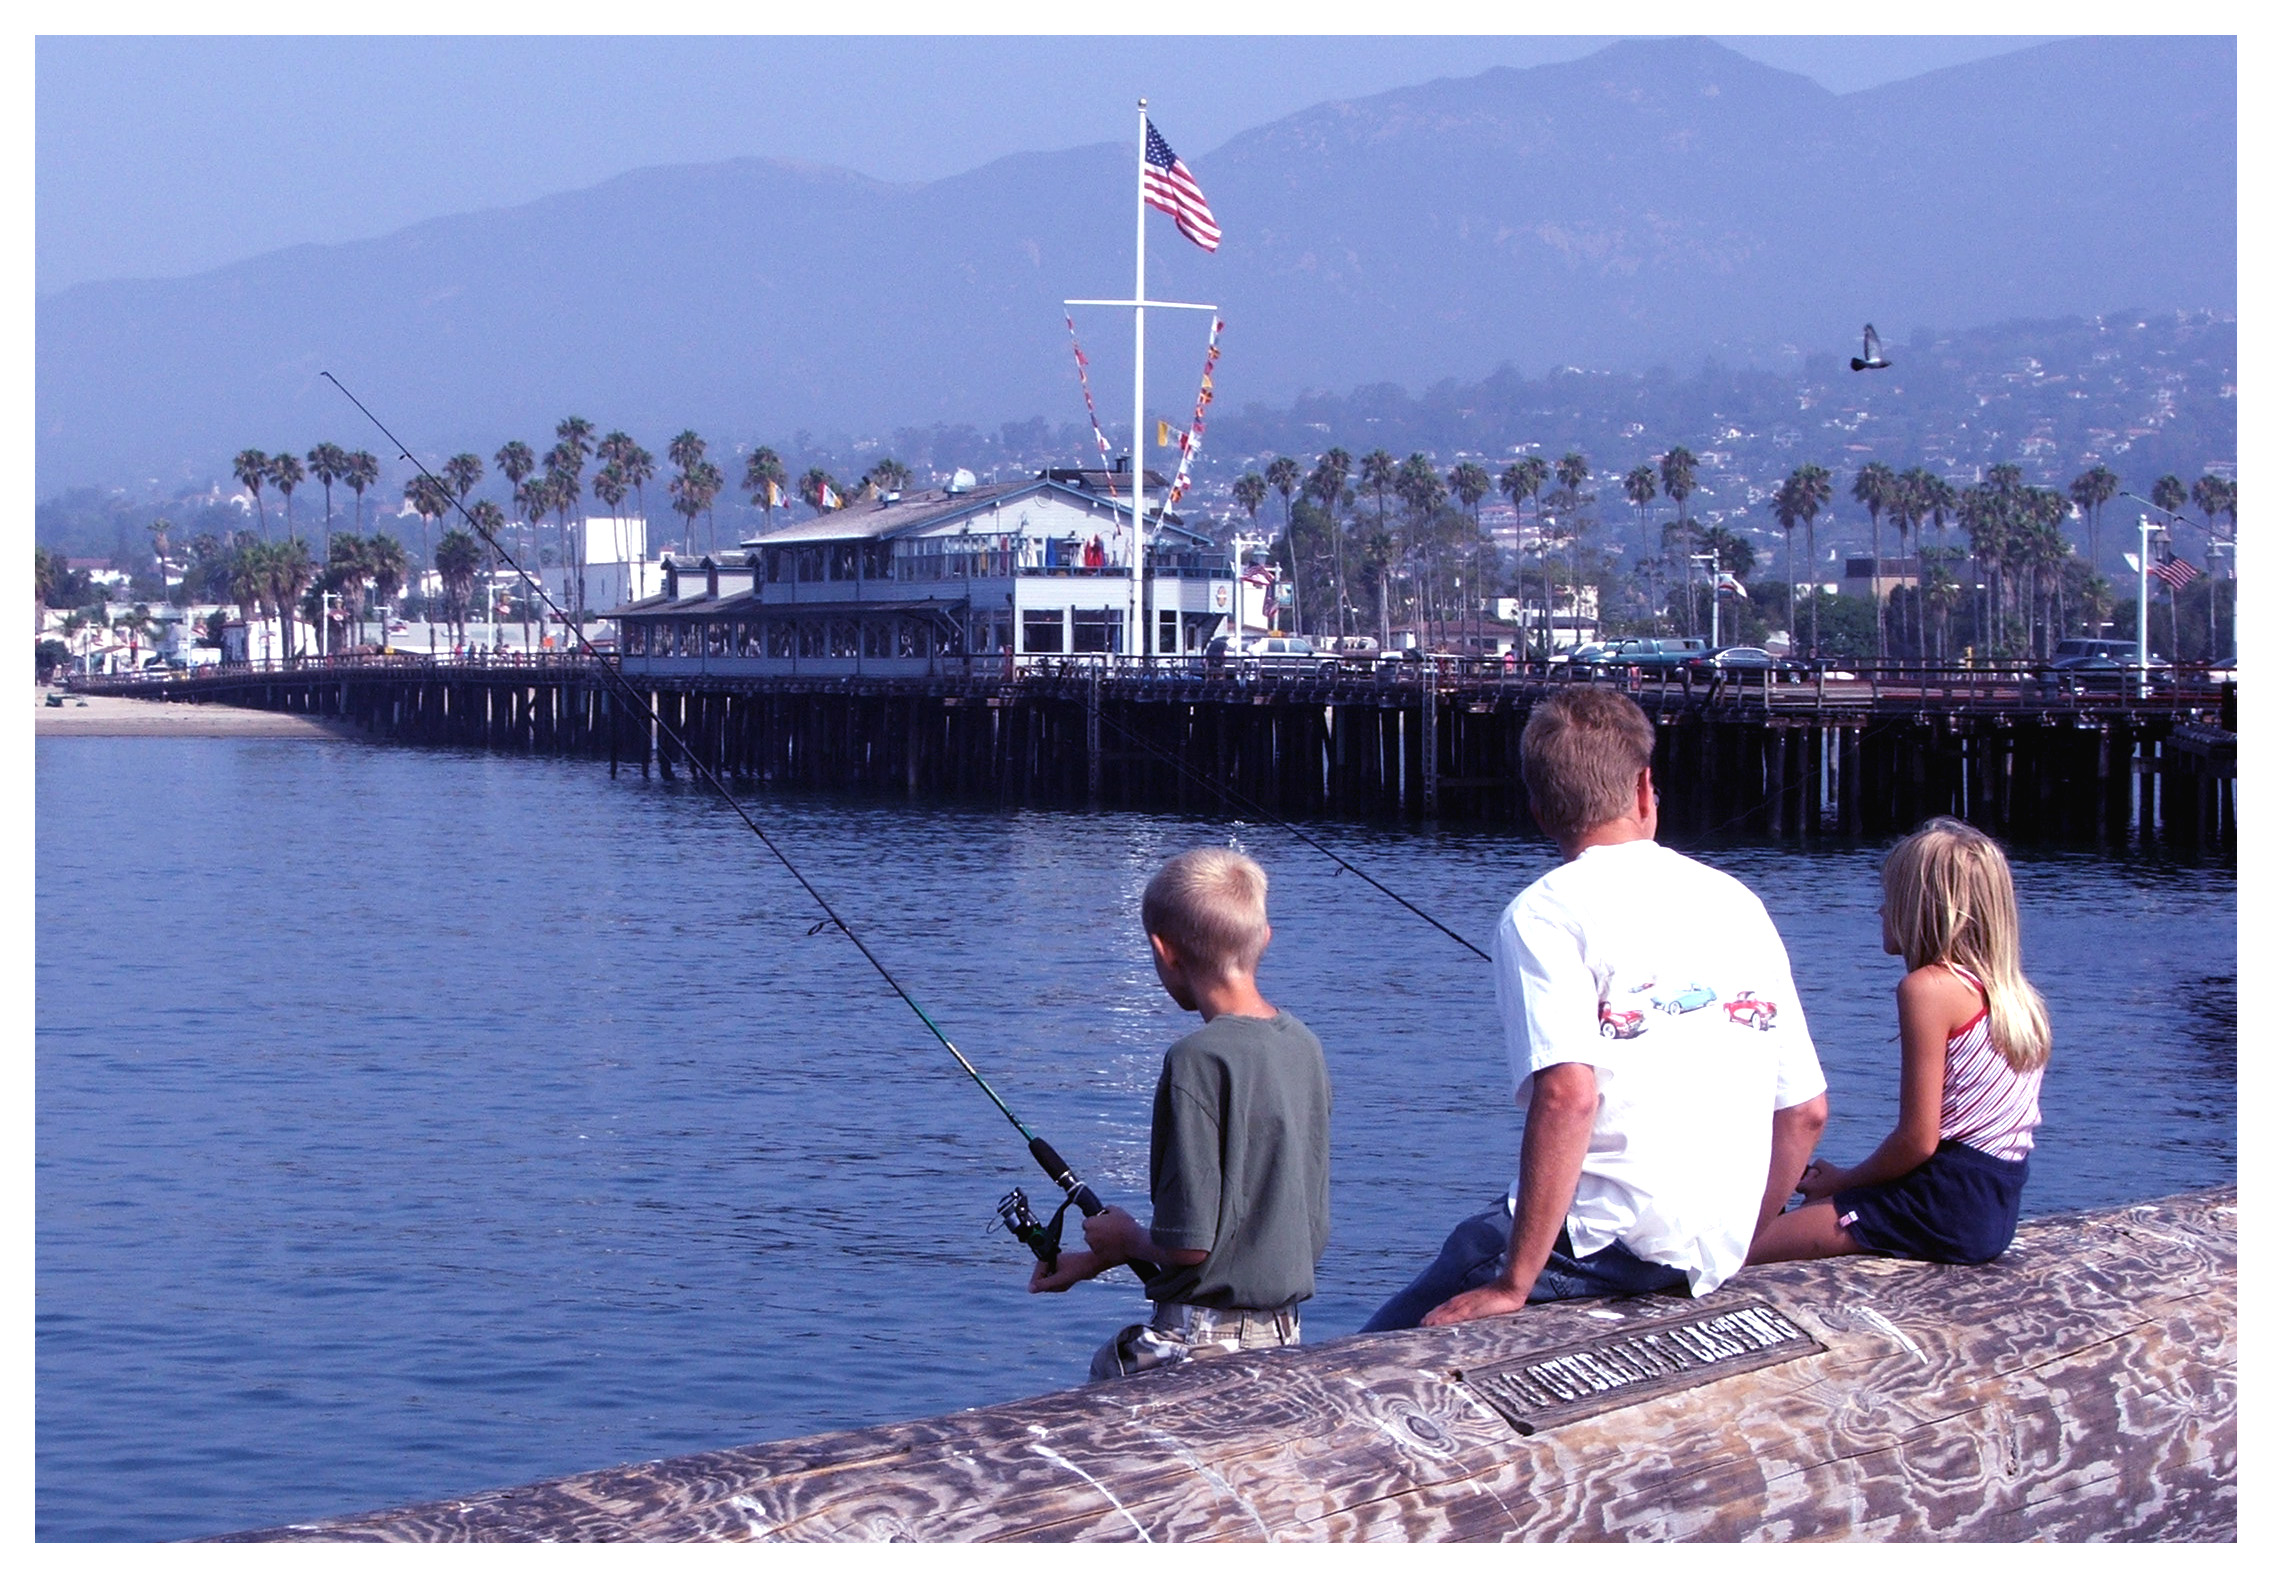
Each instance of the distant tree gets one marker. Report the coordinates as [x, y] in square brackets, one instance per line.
[889, 476]
[347, 567]
[463, 474]
[285, 473]
[158, 530]
[251, 469]
[362, 472]
[765, 480]
[814, 485]
[2092, 492]
[327, 463]
[1677, 470]
[387, 564]
[1523, 479]
[1874, 488]
[1328, 483]
[291, 571]
[1471, 485]
[488, 521]
[1422, 492]
[1377, 473]
[457, 559]
[1249, 491]
[1807, 489]
[426, 494]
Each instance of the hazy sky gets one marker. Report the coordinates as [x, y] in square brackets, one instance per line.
[165, 156]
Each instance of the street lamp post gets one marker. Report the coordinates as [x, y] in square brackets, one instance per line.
[1713, 559]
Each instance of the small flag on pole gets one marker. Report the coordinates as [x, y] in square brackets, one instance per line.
[2174, 574]
[1169, 187]
[829, 499]
[1728, 583]
[772, 494]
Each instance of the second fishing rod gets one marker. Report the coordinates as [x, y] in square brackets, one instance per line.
[1016, 1212]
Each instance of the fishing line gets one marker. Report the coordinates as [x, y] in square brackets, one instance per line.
[1260, 815]
[1020, 1221]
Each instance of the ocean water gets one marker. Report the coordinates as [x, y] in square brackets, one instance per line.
[414, 1122]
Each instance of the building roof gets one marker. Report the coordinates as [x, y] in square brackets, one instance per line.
[871, 520]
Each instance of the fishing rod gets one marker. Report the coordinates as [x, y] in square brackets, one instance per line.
[1016, 1212]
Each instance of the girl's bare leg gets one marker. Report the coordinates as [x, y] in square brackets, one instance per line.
[1809, 1233]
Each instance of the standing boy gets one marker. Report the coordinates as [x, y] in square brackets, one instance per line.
[1671, 1092]
[1241, 1132]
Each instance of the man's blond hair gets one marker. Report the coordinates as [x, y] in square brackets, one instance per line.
[1209, 905]
[1583, 750]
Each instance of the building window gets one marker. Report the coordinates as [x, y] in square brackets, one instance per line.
[1096, 629]
[1045, 630]
[749, 639]
[812, 637]
[843, 561]
[844, 638]
[914, 638]
[875, 637]
[808, 564]
[634, 638]
[1167, 630]
[780, 638]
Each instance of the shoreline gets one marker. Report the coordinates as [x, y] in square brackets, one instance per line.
[120, 717]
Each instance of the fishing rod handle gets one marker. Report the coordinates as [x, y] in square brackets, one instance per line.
[1081, 1195]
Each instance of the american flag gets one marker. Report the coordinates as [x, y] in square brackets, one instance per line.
[1169, 187]
[2174, 574]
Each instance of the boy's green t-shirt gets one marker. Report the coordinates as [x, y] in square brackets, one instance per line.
[1241, 1150]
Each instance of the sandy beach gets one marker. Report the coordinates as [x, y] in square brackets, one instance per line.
[122, 717]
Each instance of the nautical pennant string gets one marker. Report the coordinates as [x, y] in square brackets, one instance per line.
[1081, 365]
[1189, 444]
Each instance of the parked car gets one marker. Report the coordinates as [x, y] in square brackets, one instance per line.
[2095, 674]
[1591, 661]
[1658, 655]
[1746, 661]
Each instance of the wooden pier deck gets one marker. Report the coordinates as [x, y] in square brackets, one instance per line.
[2085, 1386]
[1869, 756]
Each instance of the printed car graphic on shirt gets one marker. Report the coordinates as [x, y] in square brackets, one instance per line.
[1685, 1002]
[1747, 1008]
[1621, 1024]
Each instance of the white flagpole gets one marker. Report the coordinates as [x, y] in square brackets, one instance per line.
[1138, 644]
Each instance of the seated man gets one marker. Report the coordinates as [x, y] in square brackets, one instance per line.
[1655, 1038]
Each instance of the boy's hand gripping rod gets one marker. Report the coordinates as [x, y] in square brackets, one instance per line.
[1042, 1239]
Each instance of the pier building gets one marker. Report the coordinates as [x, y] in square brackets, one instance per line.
[888, 587]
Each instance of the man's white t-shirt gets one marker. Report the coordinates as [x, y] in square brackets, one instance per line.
[1668, 978]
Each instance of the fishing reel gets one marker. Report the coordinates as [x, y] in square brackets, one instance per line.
[1043, 1238]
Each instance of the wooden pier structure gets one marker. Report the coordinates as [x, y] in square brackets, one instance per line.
[2083, 1387]
[1869, 756]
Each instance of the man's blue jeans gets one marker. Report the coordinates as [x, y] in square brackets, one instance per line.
[1476, 1252]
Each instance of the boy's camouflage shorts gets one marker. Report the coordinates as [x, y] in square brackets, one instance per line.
[1177, 1332]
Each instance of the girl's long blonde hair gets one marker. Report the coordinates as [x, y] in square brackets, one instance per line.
[1949, 900]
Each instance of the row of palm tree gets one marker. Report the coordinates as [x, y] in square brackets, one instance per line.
[327, 462]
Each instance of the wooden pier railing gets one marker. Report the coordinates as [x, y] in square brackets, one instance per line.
[1870, 754]
[2085, 1386]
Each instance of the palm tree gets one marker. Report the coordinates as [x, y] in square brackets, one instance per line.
[1677, 469]
[1522, 480]
[638, 468]
[1570, 474]
[1284, 475]
[1377, 471]
[1641, 492]
[1808, 488]
[348, 565]
[2093, 491]
[462, 473]
[251, 468]
[488, 520]
[426, 494]
[291, 570]
[1874, 487]
[362, 472]
[685, 452]
[765, 480]
[1328, 483]
[814, 485]
[286, 473]
[158, 529]
[327, 463]
[1249, 492]
[457, 557]
[889, 476]
[387, 564]
[1423, 494]
[1471, 484]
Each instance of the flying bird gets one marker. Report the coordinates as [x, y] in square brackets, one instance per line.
[1873, 354]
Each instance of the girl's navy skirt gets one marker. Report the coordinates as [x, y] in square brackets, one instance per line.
[1960, 1207]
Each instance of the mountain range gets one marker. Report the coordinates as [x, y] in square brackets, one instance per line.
[1656, 204]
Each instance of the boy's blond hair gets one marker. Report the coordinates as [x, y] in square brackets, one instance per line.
[1949, 900]
[1209, 904]
[1583, 750]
